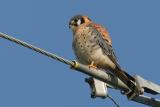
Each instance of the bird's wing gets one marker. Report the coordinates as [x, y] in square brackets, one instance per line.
[104, 40]
[108, 50]
[104, 33]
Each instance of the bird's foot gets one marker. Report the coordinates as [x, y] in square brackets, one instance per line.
[92, 65]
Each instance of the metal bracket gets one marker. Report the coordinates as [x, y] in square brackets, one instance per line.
[98, 88]
[147, 86]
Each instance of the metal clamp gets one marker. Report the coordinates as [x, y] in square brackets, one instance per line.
[147, 86]
[98, 88]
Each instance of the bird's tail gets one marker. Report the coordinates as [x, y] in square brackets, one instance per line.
[125, 77]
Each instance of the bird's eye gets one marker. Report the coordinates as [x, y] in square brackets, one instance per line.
[76, 20]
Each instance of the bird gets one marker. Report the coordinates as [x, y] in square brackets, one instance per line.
[92, 46]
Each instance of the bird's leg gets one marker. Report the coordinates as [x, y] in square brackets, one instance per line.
[92, 65]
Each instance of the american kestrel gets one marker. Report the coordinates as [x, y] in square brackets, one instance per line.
[93, 46]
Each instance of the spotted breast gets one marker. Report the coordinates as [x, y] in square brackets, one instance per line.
[87, 49]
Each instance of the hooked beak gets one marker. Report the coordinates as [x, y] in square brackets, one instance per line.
[70, 24]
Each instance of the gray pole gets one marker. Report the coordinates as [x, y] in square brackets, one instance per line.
[116, 82]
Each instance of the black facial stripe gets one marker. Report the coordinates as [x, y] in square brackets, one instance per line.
[88, 18]
[76, 21]
[82, 20]
[75, 24]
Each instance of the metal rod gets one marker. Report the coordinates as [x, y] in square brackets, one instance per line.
[147, 101]
[101, 75]
[115, 82]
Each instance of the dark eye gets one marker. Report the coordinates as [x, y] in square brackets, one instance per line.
[76, 20]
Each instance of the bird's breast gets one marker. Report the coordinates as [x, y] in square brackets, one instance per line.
[86, 47]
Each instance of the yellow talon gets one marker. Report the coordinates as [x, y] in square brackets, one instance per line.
[92, 65]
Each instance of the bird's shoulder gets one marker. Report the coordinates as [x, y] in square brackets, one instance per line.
[103, 31]
[94, 26]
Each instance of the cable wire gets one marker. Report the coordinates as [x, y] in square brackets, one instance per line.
[34, 48]
[117, 105]
[51, 55]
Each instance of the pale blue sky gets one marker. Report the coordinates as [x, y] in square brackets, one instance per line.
[28, 79]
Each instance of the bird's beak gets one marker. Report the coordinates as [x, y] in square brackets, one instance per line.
[70, 25]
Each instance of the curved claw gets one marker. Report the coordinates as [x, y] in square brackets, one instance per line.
[92, 65]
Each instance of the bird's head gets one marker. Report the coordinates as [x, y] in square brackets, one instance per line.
[77, 21]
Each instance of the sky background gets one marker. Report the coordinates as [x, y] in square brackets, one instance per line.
[29, 79]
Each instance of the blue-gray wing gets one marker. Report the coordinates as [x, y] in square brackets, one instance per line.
[108, 50]
[106, 47]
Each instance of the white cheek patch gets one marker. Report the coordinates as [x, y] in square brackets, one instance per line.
[79, 22]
